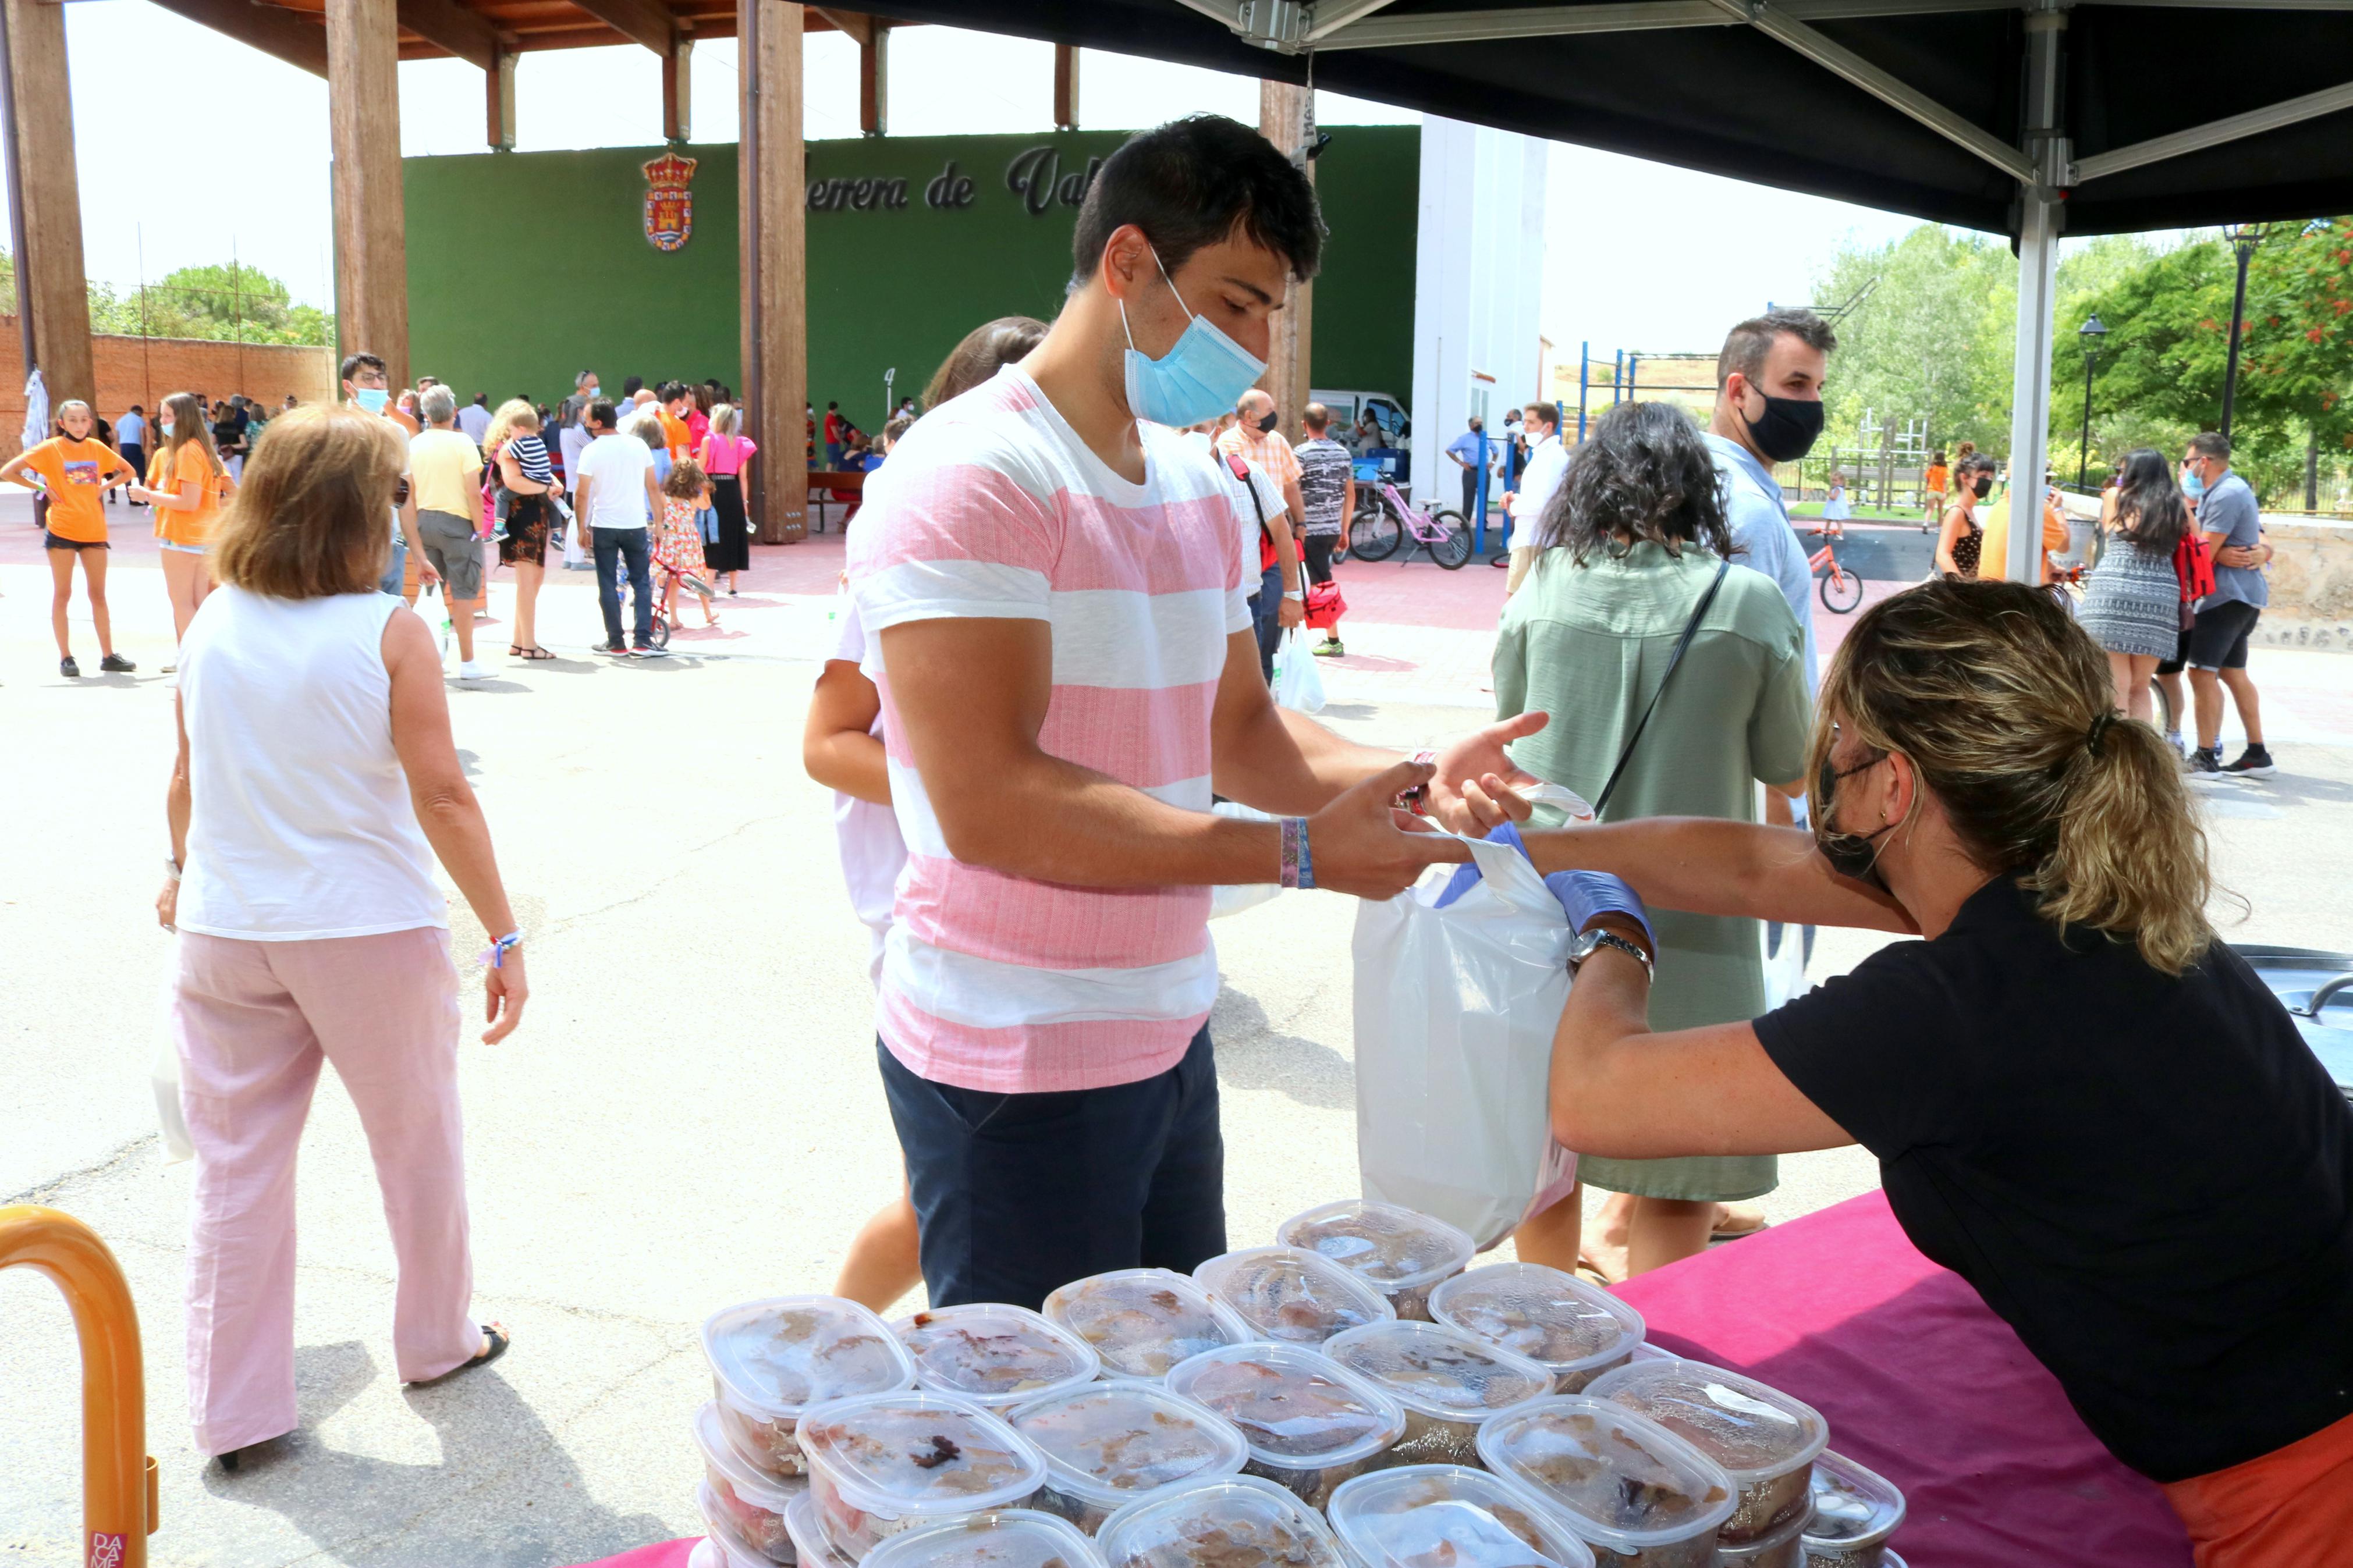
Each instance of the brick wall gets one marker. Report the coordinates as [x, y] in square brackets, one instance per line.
[145, 370]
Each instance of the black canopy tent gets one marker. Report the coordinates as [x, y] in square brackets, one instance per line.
[2029, 118]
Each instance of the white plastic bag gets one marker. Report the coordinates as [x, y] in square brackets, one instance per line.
[1298, 684]
[1455, 1011]
[1233, 899]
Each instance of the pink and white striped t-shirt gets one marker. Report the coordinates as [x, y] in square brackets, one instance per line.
[993, 507]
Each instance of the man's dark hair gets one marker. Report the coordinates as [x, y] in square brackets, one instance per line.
[1193, 182]
[1541, 410]
[2212, 443]
[1746, 346]
[1643, 473]
[600, 413]
[136, 409]
[483, 398]
[833, 404]
[632, 386]
[354, 363]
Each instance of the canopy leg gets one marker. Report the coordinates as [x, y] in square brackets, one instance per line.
[2029, 409]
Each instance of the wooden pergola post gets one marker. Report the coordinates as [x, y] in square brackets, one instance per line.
[1066, 87]
[371, 228]
[1286, 117]
[49, 276]
[772, 199]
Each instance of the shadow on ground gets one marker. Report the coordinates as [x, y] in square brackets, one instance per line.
[1251, 1055]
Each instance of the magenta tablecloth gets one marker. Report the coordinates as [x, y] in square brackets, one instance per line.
[1920, 1383]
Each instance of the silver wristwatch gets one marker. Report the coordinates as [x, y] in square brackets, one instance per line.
[1581, 947]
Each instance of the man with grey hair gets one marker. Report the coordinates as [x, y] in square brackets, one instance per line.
[444, 470]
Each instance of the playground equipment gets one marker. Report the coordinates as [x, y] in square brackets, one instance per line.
[118, 1478]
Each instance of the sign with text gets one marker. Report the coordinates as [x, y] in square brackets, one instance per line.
[1036, 176]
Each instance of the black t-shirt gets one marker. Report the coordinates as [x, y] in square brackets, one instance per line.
[2149, 1178]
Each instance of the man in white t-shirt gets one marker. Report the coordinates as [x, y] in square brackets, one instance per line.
[611, 494]
[1057, 598]
[1547, 465]
[1262, 519]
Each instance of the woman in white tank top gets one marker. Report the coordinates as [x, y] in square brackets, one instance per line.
[317, 782]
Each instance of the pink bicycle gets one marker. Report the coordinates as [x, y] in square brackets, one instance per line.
[1385, 521]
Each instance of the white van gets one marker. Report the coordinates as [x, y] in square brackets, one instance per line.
[1349, 407]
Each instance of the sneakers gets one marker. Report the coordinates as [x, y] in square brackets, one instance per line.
[66, 666]
[619, 650]
[2180, 747]
[469, 670]
[1328, 650]
[2205, 760]
[648, 650]
[2254, 763]
[115, 664]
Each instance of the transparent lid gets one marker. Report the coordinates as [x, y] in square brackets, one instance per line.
[1243, 1523]
[733, 1551]
[1754, 1431]
[1626, 1482]
[1007, 1538]
[809, 1544]
[1851, 1505]
[997, 1354]
[1111, 1443]
[1289, 1295]
[779, 1356]
[1296, 1408]
[1439, 1370]
[1448, 1516]
[1389, 1248]
[1542, 1313]
[918, 1452]
[1142, 1322]
[759, 1490]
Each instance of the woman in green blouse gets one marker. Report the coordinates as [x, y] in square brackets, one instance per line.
[1633, 542]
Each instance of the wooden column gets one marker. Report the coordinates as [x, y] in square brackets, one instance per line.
[678, 63]
[49, 276]
[1066, 87]
[371, 230]
[499, 83]
[1286, 117]
[773, 200]
[875, 82]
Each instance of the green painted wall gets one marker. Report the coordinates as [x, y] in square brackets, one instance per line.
[524, 268]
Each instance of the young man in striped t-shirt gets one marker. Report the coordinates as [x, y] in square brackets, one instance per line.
[1053, 582]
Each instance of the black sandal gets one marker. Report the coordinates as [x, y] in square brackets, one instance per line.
[534, 652]
[494, 1332]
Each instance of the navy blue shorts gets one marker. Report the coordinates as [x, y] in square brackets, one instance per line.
[1016, 1193]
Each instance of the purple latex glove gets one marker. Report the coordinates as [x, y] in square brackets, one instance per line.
[1583, 895]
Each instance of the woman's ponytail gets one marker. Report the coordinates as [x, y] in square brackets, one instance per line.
[2130, 856]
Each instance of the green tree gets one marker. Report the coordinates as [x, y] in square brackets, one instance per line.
[1931, 340]
[223, 303]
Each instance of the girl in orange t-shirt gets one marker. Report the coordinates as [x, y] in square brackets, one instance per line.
[186, 484]
[75, 472]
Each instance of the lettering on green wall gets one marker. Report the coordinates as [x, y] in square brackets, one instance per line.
[1036, 176]
[948, 189]
[864, 193]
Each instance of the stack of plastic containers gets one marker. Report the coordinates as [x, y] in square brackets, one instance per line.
[1855, 1512]
[1423, 1515]
[1450, 1385]
[885, 1464]
[994, 1355]
[1632, 1491]
[1309, 1422]
[1142, 1322]
[1243, 1523]
[1296, 1297]
[1112, 1443]
[1401, 1254]
[1010, 1538]
[1764, 1440]
[1576, 1331]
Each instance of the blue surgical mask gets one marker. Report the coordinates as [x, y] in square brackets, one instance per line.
[1197, 379]
[372, 398]
[2193, 483]
[165, 426]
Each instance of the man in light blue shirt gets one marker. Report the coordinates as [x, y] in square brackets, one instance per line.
[1472, 451]
[2217, 643]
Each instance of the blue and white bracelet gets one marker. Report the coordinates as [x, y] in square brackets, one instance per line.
[1298, 861]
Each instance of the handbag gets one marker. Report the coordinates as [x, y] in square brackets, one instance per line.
[1691, 629]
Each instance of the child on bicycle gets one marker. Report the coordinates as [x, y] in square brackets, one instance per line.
[678, 547]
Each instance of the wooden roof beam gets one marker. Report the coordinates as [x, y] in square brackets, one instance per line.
[447, 24]
[856, 24]
[646, 22]
[284, 35]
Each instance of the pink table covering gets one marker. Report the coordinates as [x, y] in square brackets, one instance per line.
[1920, 1382]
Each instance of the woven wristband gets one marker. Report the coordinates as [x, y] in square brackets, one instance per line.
[1297, 870]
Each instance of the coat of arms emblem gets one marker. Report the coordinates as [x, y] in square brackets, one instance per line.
[670, 201]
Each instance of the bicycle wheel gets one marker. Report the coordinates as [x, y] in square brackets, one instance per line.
[1842, 590]
[1375, 535]
[1453, 548]
[2162, 706]
[661, 637]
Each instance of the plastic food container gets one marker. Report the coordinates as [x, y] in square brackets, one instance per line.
[1450, 1516]
[1006, 1538]
[1639, 1495]
[1243, 1523]
[1783, 1546]
[1855, 1510]
[724, 1545]
[1398, 1252]
[1309, 1422]
[1764, 1440]
[888, 1463]
[1142, 1322]
[1296, 1297]
[1449, 1383]
[998, 1355]
[1577, 1330]
[1112, 1443]
[771, 1360]
[808, 1539]
[750, 1502]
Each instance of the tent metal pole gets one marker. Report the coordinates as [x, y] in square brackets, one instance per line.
[2253, 123]
[1584, 376]
[2038, 286]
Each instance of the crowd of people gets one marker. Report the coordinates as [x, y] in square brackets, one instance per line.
[2081, 1100]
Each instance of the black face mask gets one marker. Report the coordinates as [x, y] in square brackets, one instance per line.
[1267, 423]
[1983, 488]
[1789, 427]
[1854, 855]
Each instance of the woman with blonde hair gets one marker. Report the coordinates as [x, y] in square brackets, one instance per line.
[317, 782]
[188, 484]
[71, 472]
[725, 455]
[519, 456]
[2082, 1101]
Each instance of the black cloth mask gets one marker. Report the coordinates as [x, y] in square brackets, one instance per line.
[1267, 422]
[1983, 488]
[1788, 429]
[1854, 855]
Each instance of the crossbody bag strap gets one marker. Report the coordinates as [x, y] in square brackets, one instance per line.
[1691, 629]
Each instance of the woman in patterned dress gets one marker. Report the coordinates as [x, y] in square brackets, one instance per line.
[1958, 546]
[2132, 604]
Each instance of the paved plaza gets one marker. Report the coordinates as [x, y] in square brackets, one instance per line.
[688, 1116]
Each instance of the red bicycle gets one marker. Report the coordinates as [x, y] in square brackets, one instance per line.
[1842, 589]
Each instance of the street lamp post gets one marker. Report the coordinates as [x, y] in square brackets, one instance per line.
[2089, 334]
[2244, 237]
